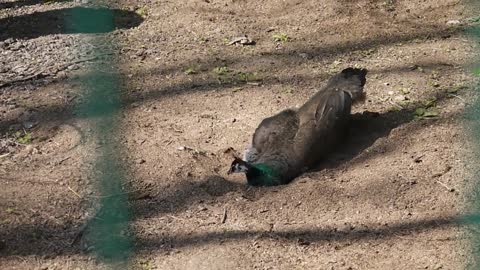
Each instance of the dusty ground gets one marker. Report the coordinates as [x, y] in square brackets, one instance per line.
[387, 199]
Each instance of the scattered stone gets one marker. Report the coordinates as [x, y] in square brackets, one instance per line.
[270, 29]
[140, 52]
[43, 267]
[446, 170]
[303, 242]
[453, 22]
[414, 67]
[8, 41]
[61, 75]
[418, 159]
[140, 161]
[73, 67]
[16, 46]
[405, 90]
[243, 40]
[304, 55]
[400, 98]
[29, 125]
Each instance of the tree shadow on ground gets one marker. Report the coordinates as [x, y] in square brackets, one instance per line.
[323, 235]
[290, 56]
[67, 21]
[184, 194]
[57, 113]
[365, 129]
[38, 239]
[58, 239]
[20, 3]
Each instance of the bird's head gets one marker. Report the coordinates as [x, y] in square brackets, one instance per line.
[257, 174]
[239, 166]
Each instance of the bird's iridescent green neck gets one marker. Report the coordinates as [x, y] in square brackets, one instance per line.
[262, 175]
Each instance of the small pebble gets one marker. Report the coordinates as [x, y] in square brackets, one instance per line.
[400, 98]
[453, 22]
[303, 242]
[28, 125]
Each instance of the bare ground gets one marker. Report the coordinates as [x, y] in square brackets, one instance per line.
[387, 199]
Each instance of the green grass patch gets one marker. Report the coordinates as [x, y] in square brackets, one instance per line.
[280, 37]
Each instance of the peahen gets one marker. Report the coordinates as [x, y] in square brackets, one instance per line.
[288, 143]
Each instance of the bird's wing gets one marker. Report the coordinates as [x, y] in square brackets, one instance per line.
[276, 131]
[322, 125]
[332, 106]
[336, 98]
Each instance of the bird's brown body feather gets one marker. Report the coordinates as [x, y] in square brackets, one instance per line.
[292, 140]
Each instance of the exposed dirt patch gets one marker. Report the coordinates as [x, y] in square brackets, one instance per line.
[387, 199]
